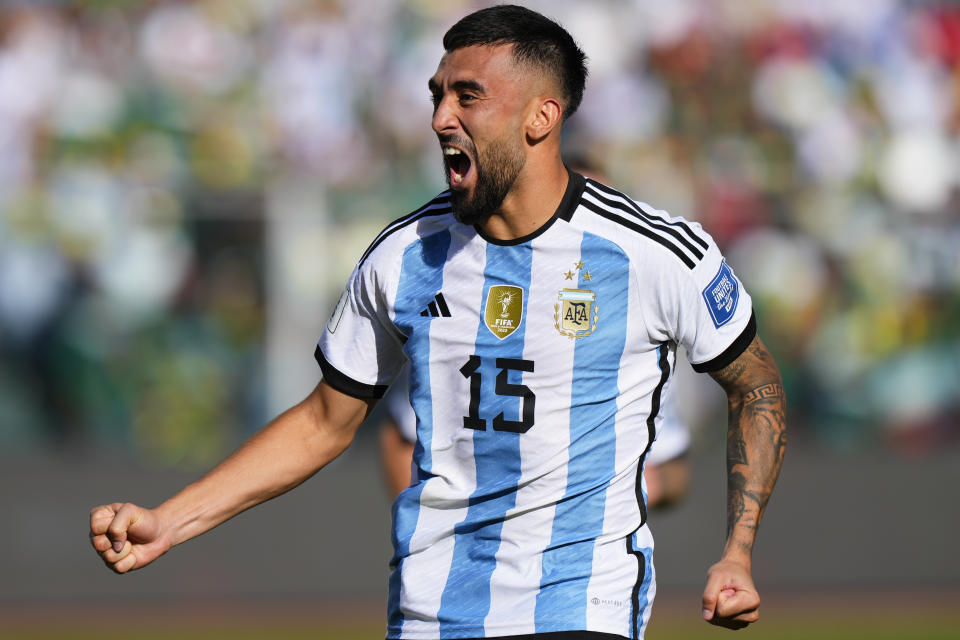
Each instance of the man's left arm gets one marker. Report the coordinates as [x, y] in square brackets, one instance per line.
[756, 440]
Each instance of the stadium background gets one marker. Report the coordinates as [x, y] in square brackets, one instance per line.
[184, 187]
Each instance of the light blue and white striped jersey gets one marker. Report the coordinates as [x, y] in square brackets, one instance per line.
[672, 441]
[537, 368]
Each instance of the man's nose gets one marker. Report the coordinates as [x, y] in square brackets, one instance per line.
[444, 117]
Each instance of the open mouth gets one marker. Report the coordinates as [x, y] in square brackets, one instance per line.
[458, 165]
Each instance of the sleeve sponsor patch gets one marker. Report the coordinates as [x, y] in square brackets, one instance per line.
[721, 296]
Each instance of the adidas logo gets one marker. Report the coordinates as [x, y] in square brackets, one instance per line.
[437, 308]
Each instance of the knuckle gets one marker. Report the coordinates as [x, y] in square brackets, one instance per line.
[111, 556]
[103, 510]
[127, 563]
[99, 521]
[119, 565]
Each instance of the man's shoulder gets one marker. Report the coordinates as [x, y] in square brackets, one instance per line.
[433, 216]
[634, 223]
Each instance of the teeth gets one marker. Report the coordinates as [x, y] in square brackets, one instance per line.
[457, 178]
[450, 151]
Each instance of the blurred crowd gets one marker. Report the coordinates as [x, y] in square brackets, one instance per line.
[145, 146]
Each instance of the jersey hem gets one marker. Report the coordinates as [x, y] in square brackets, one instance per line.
[344, 383]
[474, 633]
[732, 352]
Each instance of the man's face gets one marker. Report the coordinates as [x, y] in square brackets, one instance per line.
[479, 97]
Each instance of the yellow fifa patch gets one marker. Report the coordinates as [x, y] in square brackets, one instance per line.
[504, 309]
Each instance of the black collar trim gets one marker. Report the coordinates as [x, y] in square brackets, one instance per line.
[571, 199]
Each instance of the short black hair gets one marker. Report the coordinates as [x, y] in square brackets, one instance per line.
[536, 40]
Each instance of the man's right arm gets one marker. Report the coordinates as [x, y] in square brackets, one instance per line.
[756, 441]
[276, 459]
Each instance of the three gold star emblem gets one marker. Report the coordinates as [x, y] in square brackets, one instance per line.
[578, 266]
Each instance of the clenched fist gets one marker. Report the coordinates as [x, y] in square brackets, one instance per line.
[126, 536]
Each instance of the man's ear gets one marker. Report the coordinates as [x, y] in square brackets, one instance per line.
[544, 118]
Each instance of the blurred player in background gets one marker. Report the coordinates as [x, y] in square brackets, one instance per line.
[540, 314]
[666, 473]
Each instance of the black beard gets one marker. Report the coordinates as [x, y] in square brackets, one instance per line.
[505, 164]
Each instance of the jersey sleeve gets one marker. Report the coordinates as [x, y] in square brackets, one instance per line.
[360, 350]
[705, 308]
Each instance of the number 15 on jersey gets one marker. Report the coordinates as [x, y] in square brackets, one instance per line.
[503, 387]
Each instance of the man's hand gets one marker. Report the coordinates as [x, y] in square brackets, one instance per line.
[756, 440]
[730, 600]
[126, 536]
[276, 459]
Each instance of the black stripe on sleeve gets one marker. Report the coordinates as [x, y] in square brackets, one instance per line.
[732, 352]
[632, 203]
[344, 383]
[660, 225]
[436, 207]
[642, 230]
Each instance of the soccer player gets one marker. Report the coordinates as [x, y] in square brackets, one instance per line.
[540, 313]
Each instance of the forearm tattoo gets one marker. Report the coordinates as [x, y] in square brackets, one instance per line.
[756, 439]
[771, 390]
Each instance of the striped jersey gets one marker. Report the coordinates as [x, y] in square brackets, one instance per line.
[537, 369]
[672, 440]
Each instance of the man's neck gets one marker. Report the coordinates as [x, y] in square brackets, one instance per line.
[531, 203]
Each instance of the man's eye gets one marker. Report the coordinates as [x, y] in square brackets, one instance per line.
[466, 98]
[435, 99]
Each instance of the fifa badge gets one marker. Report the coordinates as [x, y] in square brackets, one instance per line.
[504, 309]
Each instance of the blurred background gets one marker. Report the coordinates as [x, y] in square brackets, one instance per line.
[185, 187]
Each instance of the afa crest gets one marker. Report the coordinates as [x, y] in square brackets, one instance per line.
[576, 312]
[504, 309]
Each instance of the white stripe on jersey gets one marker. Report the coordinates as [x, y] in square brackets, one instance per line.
[516, 580]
